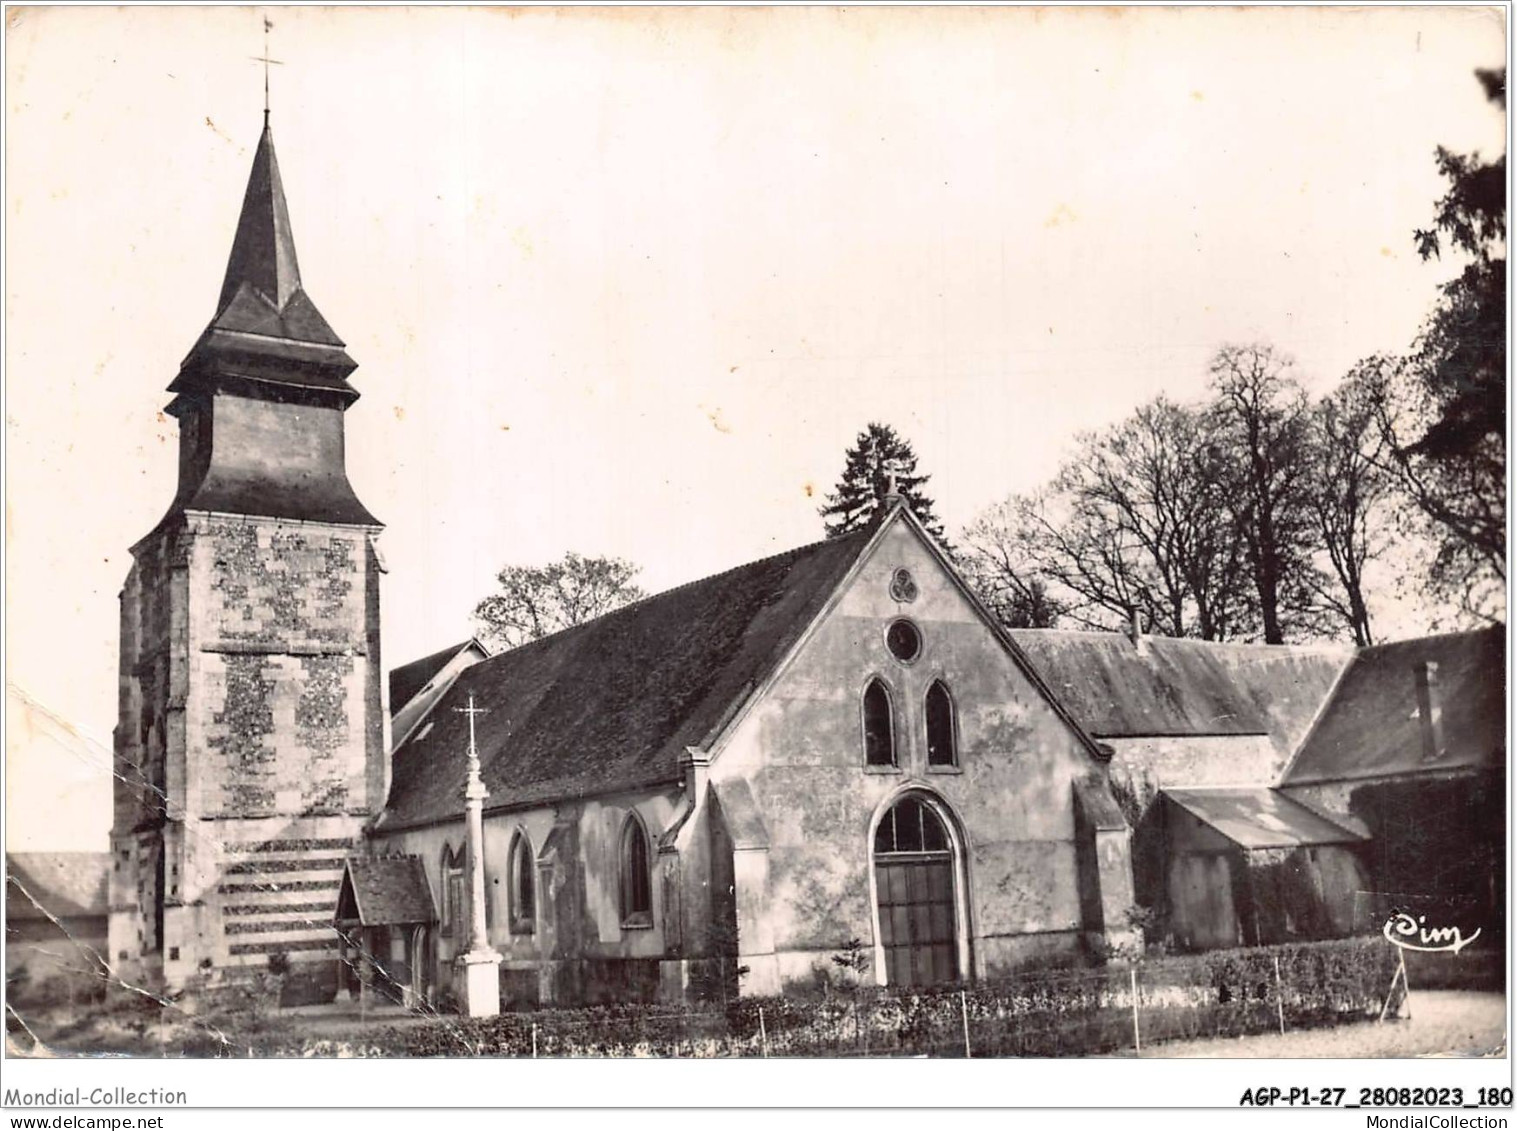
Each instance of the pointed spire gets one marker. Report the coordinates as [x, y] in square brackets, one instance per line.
[263, 251]
[266, 328]
[261, 293]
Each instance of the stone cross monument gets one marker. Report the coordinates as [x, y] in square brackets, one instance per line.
[478, 969]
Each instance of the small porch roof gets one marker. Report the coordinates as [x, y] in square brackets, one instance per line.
[384, 891]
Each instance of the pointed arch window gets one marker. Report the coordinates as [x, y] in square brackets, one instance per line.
[879, 726]
[636, 876]
[454, 914]
[942, 737]
[521, 889]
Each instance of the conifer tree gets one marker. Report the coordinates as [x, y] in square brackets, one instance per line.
[877, 453]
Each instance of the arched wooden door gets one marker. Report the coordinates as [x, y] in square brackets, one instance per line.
[915, 895]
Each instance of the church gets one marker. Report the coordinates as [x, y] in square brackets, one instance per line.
[729, 781]
[835, 753]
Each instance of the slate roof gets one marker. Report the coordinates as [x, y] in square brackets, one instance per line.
[383, 891]
[261, 292]
[1260, 817]
[408, 679]
[266, 330]
[278, 493]
[1184, 687]
[1371, 728]
[611, 704]
[67, 885]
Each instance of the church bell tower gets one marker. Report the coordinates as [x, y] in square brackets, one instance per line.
[249, 746]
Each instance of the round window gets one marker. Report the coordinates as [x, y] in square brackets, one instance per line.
[904, 641]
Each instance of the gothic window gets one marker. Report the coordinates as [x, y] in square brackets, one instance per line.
[636, 879]
[522, 894]
[942, 749]
[454, 913]
[879, 728]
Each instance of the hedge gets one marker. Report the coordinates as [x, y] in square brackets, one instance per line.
[1083, 1012]
[1051, 1013]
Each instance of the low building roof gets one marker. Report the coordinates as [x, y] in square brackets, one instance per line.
[1176, 687]
[57, 885]
[1372, 727]
[384, 891]
[1260, 817]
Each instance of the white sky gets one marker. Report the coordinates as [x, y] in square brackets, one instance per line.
[629, 282]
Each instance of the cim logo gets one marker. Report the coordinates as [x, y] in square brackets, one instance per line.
[1413, 933]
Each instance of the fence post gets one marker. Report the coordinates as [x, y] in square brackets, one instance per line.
[1137, 1036]
[1406, 986]
[1279, 997]
[964, 1013]
[1391, 990]
[763, 1034]
[534, 1040]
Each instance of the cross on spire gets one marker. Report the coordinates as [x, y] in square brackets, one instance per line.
[268, 25]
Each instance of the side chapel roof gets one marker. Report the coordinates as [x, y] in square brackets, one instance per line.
[408, 679]
[1178, 687]
[1372, 728]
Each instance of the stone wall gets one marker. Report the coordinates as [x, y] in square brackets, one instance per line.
[577, 946]
[1140, 767]
[250, 695]
[283, 659]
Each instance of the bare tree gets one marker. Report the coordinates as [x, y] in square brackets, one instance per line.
[1261, 418]
[1166, 482]
[1351, 490]
[537, 601]
[1136, 523]
[1000, 560]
